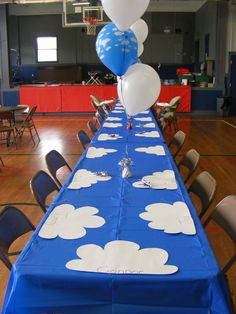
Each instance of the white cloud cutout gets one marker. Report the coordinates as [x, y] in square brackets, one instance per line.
[94, 152]
[108, 137]
[121, 257]
[174, 218]
[158, 180]
[84, 179]
[148, 134]
[144, 112]
[143, 119]
[147, 125]
[113, 119]
[111, 125]
[118, 111]
[155, 150]
[68, 222]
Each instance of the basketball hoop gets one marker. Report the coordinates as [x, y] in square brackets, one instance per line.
[91, 24]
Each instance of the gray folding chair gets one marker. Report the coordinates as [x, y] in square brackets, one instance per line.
[177, 142]
[224, 215]
[91, 126]
[189, 162]
[204, 187]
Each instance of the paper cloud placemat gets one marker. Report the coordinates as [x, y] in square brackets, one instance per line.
[122, 257]
[109, 137]
[117, 111]
[147, 125]
[113, 119]
[68, 222]
[94, 152]
[84, 179]
[112, 125]
[148, 134]
[153, 150]
[158, 180]
[148, 119]
[170, 218]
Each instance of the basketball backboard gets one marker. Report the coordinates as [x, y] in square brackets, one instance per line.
[76, 13]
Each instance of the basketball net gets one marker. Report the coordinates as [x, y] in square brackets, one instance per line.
[91, 24]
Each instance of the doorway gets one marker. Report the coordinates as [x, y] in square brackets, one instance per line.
[232, 82]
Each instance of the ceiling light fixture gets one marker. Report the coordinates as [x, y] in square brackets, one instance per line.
[80, 3]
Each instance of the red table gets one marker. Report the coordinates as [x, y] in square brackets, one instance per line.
[76, 98]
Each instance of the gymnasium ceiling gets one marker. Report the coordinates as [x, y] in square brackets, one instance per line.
[155, 5]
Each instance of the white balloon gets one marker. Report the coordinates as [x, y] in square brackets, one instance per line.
[139, 88]
[140, 49]
[124, 12]
[140, 30]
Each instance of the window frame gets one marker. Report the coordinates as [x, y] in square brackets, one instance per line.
[36, 42]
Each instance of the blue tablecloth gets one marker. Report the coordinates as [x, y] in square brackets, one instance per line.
[40, 282]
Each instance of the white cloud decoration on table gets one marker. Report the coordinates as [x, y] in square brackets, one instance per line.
[94, 152]
[147, 125]
[111, 125]
[117, 111]
[68, 222]
[155, 150]
[158, 180]
[148, 134]
[113, 119]
[84, 179]
[121, 257]
[174, 218]
[108, 137]
[143, 119]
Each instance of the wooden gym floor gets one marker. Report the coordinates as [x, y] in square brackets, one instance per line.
[213, 137]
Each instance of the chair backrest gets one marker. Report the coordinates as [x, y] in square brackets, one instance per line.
[177, 141]
[162, 124]
[224, 215]
[96, 100]
[92, 127]
[95, 107]
[99, 119]
[174, 101]
[13, 224]
[189, 161]
[102, 113]
[204, 187]
[83, 138]
[42, 185]
[29, 117]
[55, 161]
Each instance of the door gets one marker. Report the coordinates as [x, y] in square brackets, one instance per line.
[232, 85]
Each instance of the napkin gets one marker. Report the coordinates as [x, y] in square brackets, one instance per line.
[158, 180]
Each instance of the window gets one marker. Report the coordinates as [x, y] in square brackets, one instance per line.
[47, 49]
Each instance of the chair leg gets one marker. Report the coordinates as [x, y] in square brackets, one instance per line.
[2, 161]
[31, 134]
[37, 133]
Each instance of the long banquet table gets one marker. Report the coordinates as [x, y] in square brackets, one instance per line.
[112, 263]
